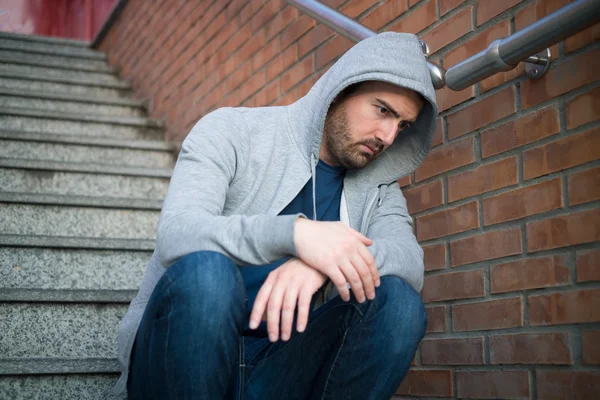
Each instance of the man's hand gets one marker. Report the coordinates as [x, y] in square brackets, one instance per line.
[340, 253]
[293, 283]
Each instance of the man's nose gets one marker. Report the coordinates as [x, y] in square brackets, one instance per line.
[387, 133]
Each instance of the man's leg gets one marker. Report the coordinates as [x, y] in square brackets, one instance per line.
[348, 351]
[187, 346]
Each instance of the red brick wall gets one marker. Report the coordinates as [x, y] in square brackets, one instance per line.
[506, 205]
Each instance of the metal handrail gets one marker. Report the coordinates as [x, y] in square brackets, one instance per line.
[501, 55]
[505, 54]
[353, 30]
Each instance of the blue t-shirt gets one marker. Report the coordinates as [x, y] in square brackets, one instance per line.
[328, 193]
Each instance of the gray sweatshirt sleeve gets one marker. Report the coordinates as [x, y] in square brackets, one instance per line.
[395, 248]
[211, 158]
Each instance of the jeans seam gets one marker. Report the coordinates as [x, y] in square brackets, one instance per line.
[168, 296]
[334, 362]
[241, 367]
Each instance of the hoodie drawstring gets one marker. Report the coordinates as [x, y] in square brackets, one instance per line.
[313, 171]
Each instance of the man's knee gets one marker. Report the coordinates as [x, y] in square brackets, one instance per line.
[208, 278]
[402, 308]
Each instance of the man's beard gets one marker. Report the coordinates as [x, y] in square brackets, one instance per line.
[337, 137]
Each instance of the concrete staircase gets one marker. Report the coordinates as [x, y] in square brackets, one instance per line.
[82, 176]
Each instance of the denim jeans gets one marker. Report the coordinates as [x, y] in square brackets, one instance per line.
[190, 343]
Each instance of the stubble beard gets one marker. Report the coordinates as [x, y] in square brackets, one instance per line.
[337, 137]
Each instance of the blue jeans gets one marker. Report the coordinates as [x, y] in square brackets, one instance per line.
[190, 343]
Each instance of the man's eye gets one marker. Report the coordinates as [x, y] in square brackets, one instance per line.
[383, 110]
[404, 125]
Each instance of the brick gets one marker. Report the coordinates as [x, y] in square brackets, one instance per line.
[353, 9]
[501, 77]
[297, 73]
[313, 38]
[590, 347]
[424, 197]
[456, 285]
[281, 62]
[419, 19]
[486, 315]
[531, 273]
[588, 265]
[332, 50]
[530, 348]
[250, 48]
[287, 98]
[467, 351]
[488, 9]
[280, 21]
[585, 37]
[483, 179]
[265, 54]
[562, 154]
[477, 43]
[567, 76]
[447, 98]
[492, 384]
[449, 5]
[252, 85]
[583, 108]
[404, 181]
[427, 383]
[308, 83]
[446, 158]
[520, 203]
[564, 230]
[484, 112]
[584, 186]
[438, 136]
[487, 246]
[527, 129]
[448, 222]
[434, 257]
[449, 30]
[268, 94]
[382, 15]
[561, 385]
[270, 10]
[565, 308]
[297, 29]
[436, 319]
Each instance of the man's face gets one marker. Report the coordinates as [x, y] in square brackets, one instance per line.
[361, 126]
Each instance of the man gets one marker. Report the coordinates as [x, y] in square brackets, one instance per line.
[240, 299]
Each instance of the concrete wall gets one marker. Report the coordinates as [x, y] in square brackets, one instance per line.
[506, 205]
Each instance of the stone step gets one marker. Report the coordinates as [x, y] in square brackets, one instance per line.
[61, 103]
[52, 48]
[83, 201]
[72, 153]
[58, 242]
[85, 167]
[69, 63]
[62, 76]
[22, 119]
[126, 188]
[69, 275]
[50, 73]
[82, 386]
[44, 137]
[59, 330]
[77, 222]
[44, 39]
[31, 84]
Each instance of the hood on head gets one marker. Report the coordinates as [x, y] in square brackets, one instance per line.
[390, 57]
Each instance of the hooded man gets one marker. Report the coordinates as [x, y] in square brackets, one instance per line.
[291, 215]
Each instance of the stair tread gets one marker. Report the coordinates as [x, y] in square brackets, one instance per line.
[24, 58]
[76, 242]
[44, 39]
[77, 81]
[144, 144]
[41, 94]
[107, 119]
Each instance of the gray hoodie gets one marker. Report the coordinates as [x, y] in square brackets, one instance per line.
[240, 167]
